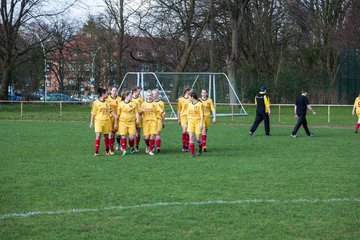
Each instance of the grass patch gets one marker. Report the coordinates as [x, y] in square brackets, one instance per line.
[49, 166]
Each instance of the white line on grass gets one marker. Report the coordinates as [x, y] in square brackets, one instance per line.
[160, 204]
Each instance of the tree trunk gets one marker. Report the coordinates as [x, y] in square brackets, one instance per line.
[5, 82]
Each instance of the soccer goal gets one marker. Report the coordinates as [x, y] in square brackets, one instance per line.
[171, 85]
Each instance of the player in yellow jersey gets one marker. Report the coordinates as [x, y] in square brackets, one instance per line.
[356, 109]
[208, 106]
[138, 100]
[183, 102]
[149, 110]
[100, 114]
[128, 117]
[195, 122]
[160, 119]
[114, 101]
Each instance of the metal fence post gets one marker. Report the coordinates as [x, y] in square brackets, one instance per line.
[60, 109]
[328, 113]
[279, 112]
[21, 109]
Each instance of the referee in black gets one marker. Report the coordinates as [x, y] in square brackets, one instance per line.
[301, 106]
[263, 111]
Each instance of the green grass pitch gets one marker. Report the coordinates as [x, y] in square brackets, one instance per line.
[243, 188]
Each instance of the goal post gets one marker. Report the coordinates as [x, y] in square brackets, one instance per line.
[171, 85]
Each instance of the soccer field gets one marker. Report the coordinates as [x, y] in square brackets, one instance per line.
[52, 187]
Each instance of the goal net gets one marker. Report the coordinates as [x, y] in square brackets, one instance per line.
[172, 84]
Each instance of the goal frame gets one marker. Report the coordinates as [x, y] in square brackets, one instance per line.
[213, 78]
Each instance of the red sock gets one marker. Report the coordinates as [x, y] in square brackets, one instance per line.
[192, 148]
[123, 144]
[152, 142]
[203, 138]
[187, 140]
[97, 145]
[183, 136]
[137, 139]
[111, 143]
[158, 142]
[131, 142]
[357, 126]
[147, 142]
[106, 142]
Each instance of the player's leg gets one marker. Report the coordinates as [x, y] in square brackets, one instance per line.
[111, 142]
[158, 135]
[184, 136]
[123, 131]
[106, 131]
[198, 137]
[106, 143]
[304, 124]
[137, 139]
[357, 126]
[151, 144]
[258, 120]
[118, 139]
[132, 133]
[297, 126]
[267, 124]
[191, 144]
[97, 142]
[204, 132]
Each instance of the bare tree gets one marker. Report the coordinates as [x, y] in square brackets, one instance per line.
[181, 24]
[15, 16]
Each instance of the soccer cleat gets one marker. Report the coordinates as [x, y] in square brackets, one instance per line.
[356, 131]
[157, 149]
[117, 148]
[183, 149]
[192, 155]
[137, 149]
[268, 135]
[151, 153]
[294, 136]
[187, 149]
[311, 135]
[204, 148]
[124, 153]
[107, 153]
[112, 153]
[251, 133]
[199, 154]
[96, 154]
[147, 150]
[131, 151]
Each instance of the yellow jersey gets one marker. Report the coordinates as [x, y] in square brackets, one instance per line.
[138, 101]
[195, 111]
[357, 104]
[127, 111]
[207, 106]
[183, 103]
[101, 110]
[114, 102]
[152, 110]
[160, 115]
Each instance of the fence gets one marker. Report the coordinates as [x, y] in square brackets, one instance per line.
[281, 113]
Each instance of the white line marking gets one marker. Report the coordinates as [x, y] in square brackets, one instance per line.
[165, 204]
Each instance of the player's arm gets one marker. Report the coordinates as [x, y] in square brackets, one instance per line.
[201, 110]
[213, 111]
[267, 104]
[179, 107]
[353, 110]
[93, 111]
[311, 109]
[295, 108]
[137, 117]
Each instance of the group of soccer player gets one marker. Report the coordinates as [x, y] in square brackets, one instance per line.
[123, 117]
